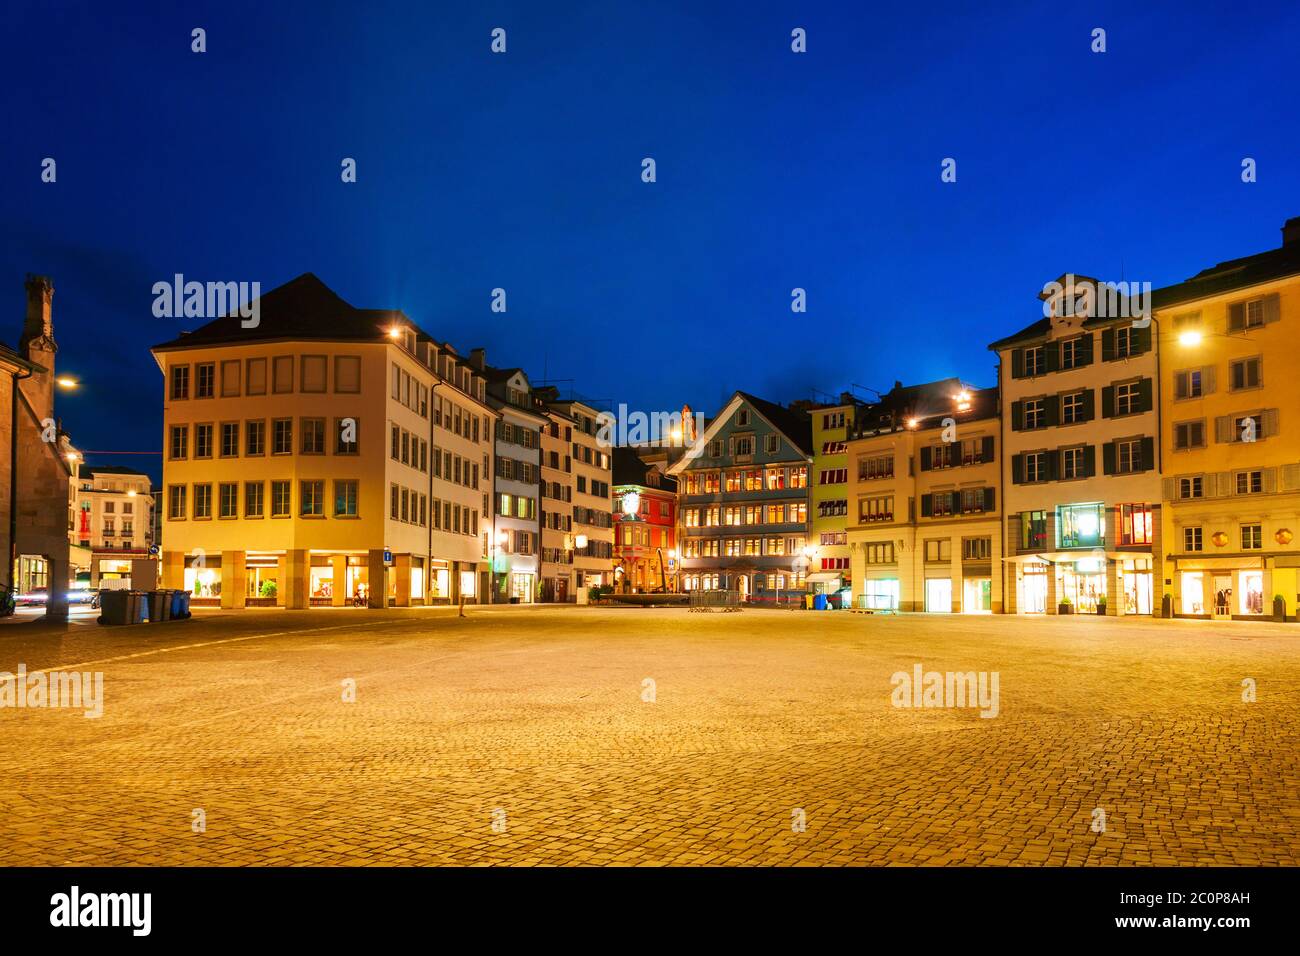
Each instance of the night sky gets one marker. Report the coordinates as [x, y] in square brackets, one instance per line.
[523, 171]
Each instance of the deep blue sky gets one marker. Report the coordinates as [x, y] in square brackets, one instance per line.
[775, 170]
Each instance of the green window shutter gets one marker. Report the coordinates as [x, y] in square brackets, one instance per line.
[1108, 403]
[1017, 469]
[1017, 416]
[990, 499]
[1085, 350]
[1148, 453]
[1053, 459]
[925, 458]
[1145, 397]
[1142, 339]
[1108, 458]
[1052, 410]
[927, 506]
[986, 454]
[1017, 363]
[1089, 405]
[1052, 356]
[1089, 461]
[1107, 345]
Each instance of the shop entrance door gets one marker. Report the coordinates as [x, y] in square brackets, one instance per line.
[1222, 607]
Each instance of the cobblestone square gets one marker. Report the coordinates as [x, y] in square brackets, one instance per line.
[593, 736]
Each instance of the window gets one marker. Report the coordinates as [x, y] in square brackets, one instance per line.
[253, 491]
[255, 377]
[1192, 539]
[1080, 526]
[1250, 482]
[1128, 398]
[1247, 428]
[202, 441]
[228, 499]
[1035, 412]
[1135, 524]
[230, 378]
[1036, 466]
[282, 374]
[1245, 373]
[742, 418]
[178, 446]
[742, 445]
[1252, 537]
[282, 436]
[1190, 487]
[311, 501]
[176, 502]
[203, 501]
[880, 553]
[255, 437]
[180, 382]
[976, 549]
[938, 549]
[1035, 361]
[205, 380]
[1072, 463]
[1128, 456]
[230, 439]
[347, 436]
[1074, 351]
[1125, 342]
[876, 509]
[878, 466]
[1033, 530]
[771, 444]
[1189, 383]
[1189, 435]
[347, 373]
[1072, 408]
[280, 504]
[313, 373]
[345, 498]
[313, 436]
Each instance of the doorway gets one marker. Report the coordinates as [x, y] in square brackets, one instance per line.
[938, 595]
[1222, 596]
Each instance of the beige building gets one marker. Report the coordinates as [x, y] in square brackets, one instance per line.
[112, 517]
[593, 503]
[923, 530]
[557, 553]
[1080, 467]
[1229, 394]
[304, 458]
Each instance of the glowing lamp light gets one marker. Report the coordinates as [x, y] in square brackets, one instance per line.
[580, 541]
[131, 493]
[73, 456]
[502, 537]
[631, 503]
[1189, 338]
[1088, 525]
[963, 401]
[395, 332]
[66, 381]
[913, 422]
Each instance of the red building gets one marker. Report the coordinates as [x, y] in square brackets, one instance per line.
[645, 523]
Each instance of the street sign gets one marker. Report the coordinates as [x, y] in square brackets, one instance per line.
[388, 556]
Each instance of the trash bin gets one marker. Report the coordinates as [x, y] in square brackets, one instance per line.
[185, 603]
[114, 606]
[160, 606]
[138, 612]
[179, 604]
[819, 602]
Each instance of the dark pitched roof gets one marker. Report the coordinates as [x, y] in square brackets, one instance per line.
[13, 358]
[630, 469]
[1233, 274]
[929, 403]
[302, 309]
[797, 425]
[1032, 331]
[113, 470]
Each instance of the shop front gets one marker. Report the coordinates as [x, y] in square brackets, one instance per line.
[880, 594]
[1223, 590]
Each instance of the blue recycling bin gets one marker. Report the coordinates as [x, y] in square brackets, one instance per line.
[180, 604]
[819, 602]
[139, 607]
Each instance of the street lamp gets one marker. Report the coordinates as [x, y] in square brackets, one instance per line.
[1189, 337]
[66, 382]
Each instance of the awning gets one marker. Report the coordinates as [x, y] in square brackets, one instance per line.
[1057, 557]
[823, 577]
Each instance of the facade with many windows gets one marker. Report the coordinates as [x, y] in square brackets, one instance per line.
[1080, 469]
[743, 502]
[593, 524]
[1232, 463]
[829, 504]
[557, 506]
[645, 525]
[924, 530]
[303, 458]
[113, 517]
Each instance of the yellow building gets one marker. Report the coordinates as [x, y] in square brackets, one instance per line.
[328, 455]
[830, 570]
[924, 530]
[593, 503]
[1229, 395]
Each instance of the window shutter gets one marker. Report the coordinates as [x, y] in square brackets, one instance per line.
[990, 499]
[1017, 469]
[927, 506]
[1052, 409]
[1170, 489]
[1084, 352]
[1141, 338]
[1017, 363]
[1089, 406]
[1224, 482]
[1148, 453]
[1146, 399]
[1108, 458]
[1180, 384]
[1272, 308]
[1207, 380]
[1052, 356]
[1236, 316]
[1089, 461]
[1017, 416]
[1107, 345]
[1223, 429]
[1269, 423]
[986, 453]
[925, 458]
[1108, 402]
[1270, 480]
[1053, 462]
[954, 506]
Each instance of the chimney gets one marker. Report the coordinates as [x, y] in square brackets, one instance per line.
[1291, 231]
[478, 358]
[38, 328]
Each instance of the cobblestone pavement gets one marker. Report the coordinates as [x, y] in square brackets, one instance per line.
[538, 714]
